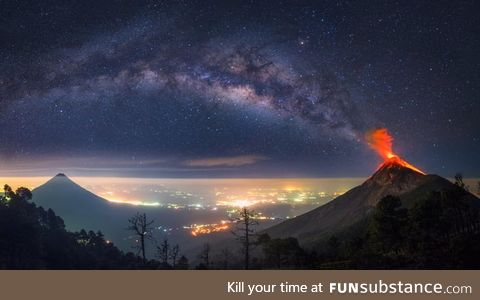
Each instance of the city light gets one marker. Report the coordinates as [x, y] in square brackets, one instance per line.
[133, 202]
[201, 229]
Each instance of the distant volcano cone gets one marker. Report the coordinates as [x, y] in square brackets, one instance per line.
[82, 209]
[62, 189]
[72, 202]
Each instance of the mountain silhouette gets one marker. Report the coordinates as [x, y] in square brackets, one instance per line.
[73, 203]
[82, 209]
[392, 178]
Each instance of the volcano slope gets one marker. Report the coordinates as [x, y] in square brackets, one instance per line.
[352, 208]
[73, 203]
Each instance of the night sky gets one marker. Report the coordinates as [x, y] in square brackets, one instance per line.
[247, 88]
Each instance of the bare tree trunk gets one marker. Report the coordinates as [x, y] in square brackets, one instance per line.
[141, 227]
[247, 239]
[245, 221]
[142, 241]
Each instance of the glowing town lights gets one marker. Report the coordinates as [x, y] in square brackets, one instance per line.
[242, 203]
[201, 229]
[237, 203]
[135, 203]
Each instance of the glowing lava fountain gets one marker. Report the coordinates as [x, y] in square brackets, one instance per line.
[381, 141]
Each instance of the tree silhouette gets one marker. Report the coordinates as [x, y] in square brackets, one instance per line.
[164, 252]
[141, 227]
[173, 255]
[8, 192]
[387, 224]
[205, 257]
[459, 181]
[281, 253]
[34, 238]
[24, 193]
[244, 232]
[226, 257]
[183, 263]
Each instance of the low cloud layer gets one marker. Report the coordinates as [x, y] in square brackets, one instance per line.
[233, 161]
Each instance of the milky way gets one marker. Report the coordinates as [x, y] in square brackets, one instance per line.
[239, 88]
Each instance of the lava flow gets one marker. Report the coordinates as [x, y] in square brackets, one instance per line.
[381, 141]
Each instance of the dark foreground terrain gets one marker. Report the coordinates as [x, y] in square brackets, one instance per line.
[429, 224]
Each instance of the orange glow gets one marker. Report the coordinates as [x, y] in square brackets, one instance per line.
[291, 188]
[133, 202]
[380, 140]
[237, 202]
[209, 228]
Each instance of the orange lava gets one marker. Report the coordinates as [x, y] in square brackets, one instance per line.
[381, 141]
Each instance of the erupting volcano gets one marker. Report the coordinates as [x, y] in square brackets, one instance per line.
[394, 177]
[381, 141]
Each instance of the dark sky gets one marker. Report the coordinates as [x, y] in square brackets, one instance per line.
[237, 88]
